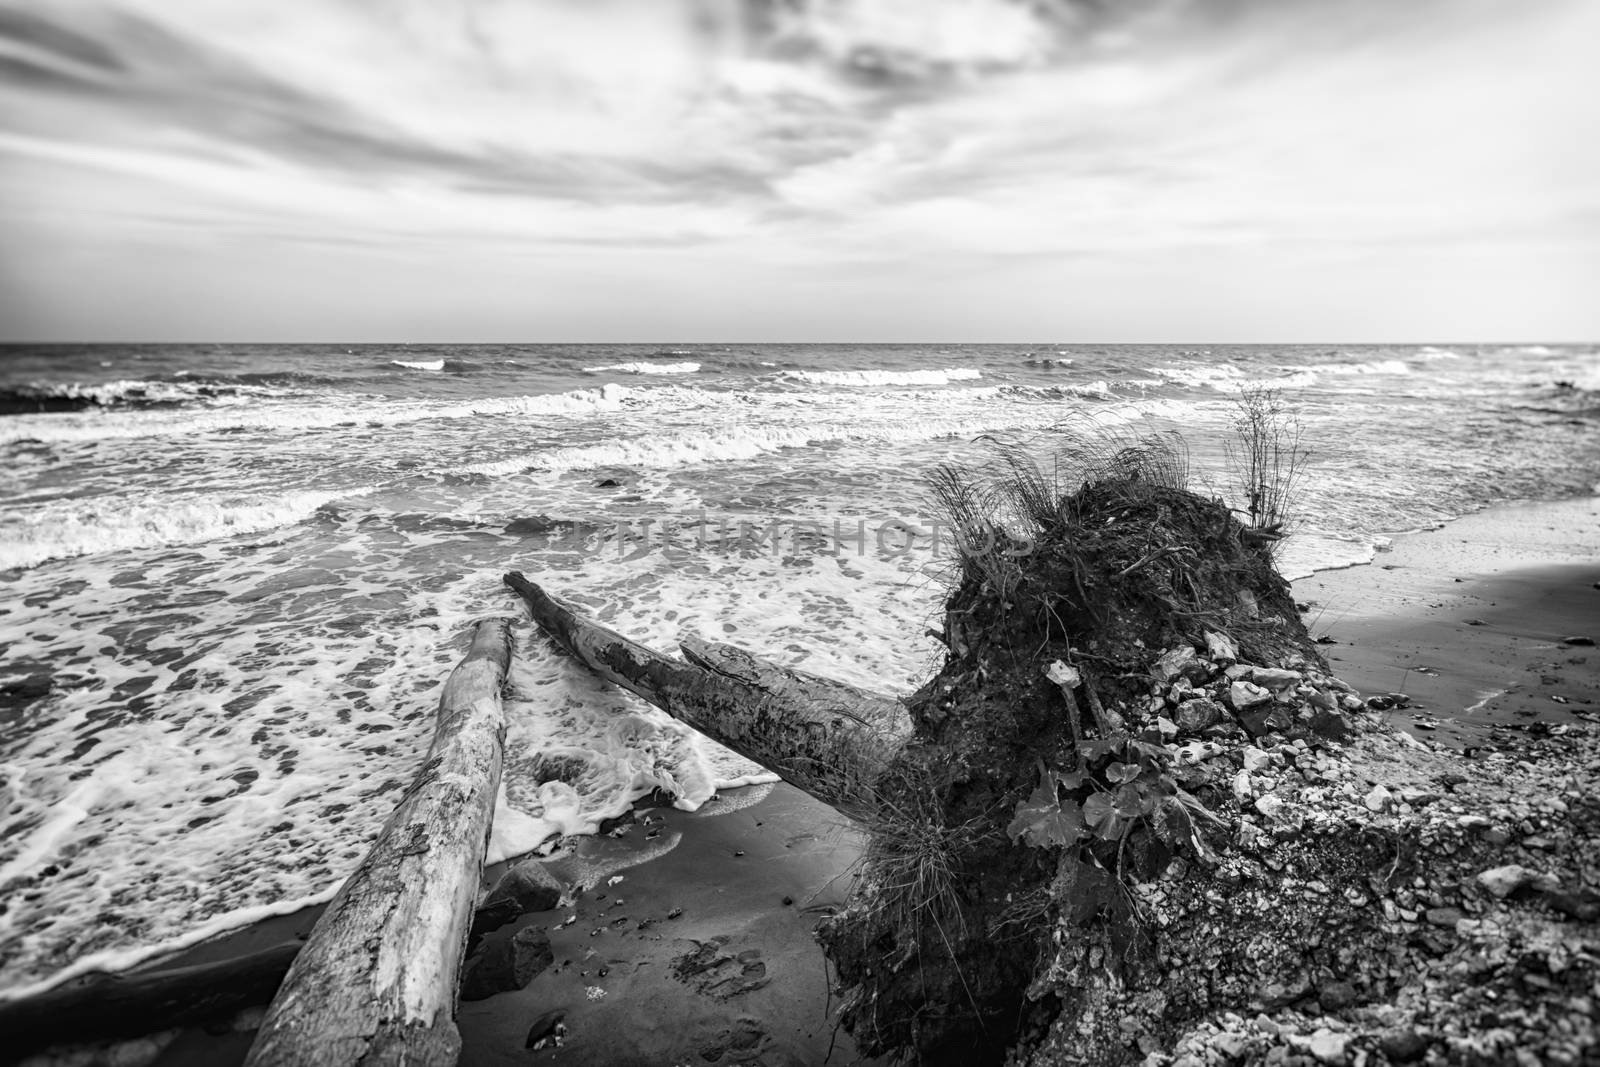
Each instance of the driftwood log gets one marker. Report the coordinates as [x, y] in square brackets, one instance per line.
[829, 739]
[376, 982]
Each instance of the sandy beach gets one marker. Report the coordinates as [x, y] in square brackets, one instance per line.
[689, 938]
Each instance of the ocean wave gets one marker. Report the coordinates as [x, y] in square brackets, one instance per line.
[645, 368]
[423, 364]
[748, 442]
[126, 394]
[885, 377]
[1429, 352]
[1378, 366]
[76, 528]
[101, 424]
[1533, 350]
[1050, 361]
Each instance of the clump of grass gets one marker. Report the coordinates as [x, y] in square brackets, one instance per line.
[1000, 510]
[915, 860]
[1266, 457]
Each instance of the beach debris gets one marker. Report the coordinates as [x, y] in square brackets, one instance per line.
[341, 998]
[593, 992]
[1578, 641]
[547, 1029]
[1065, 676]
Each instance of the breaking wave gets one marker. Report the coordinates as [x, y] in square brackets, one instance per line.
[885, 377]
[645, 368]
[69, 529]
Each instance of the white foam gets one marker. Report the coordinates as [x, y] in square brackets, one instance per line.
[646, 368]
[425, 364]
[63, 529]
[1379, 366]
[100, 425]
[885, 377]
[1428, 353]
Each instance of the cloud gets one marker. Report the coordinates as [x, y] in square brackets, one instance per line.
[854, 138]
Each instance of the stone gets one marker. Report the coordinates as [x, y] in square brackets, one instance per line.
[1328, 1047]
[1582, 904]
[525, 888]
[508, 964]
[1243, 788]
[1177, 663]
[1195, 715]
[1242, 696]
[1445, 918]
[1237, 671]
[1256, 760]
[1336, 996]
[1232, 1046]
[1379, 800]
[1264, 719]
[1581, 642]
[1221, 647]
[546, 1026]
[1503, 881]
[1269, 806]
[1403, 1046]
[1350, 702]
[1274, 677]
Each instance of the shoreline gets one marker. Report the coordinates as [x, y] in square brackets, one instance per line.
[1403, 624]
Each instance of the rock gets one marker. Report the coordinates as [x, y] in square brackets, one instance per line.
[1378, 800]
[1221, 648]
[1255, 760]
[1269, 805]
[1581, 904]
[1196, 752]
[1195, 715]
[544, 1027]
[1232, 1046]
[1336, 996]
[1237, 671]
[1067, 677]
[1582, 642]
[1403, 1046]
[1503, 881]
[1446, 918]
[1274, 677]
[1264, 719]
[607, 483]
[507, 965]
[1350, 702]
[525, 888]
[1328, 1047]
[1242, 696]
[1243, 789]
[1177, 663]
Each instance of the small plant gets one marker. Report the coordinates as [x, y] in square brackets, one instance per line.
[1266, 457]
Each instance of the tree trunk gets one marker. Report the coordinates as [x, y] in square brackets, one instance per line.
[824, 737]
[376, 981]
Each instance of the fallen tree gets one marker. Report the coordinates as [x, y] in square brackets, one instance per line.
[1139, 820]
[827, 738]
[376, 982]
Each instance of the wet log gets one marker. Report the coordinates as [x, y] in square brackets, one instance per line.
[829, 739]
[376, 982]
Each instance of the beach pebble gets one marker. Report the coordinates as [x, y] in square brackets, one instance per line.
[507, 965]
[1327, 1046]
[1244, 695]
[1242, 788]
[1221, 647]
[1176, 663]
[1274, 677]
[1503, 881]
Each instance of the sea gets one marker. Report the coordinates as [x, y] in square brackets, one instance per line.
[236, 576]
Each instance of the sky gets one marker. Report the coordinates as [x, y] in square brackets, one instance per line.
[799, 170]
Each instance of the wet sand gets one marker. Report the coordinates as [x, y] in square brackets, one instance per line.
[1468, 621]
[704, 961]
